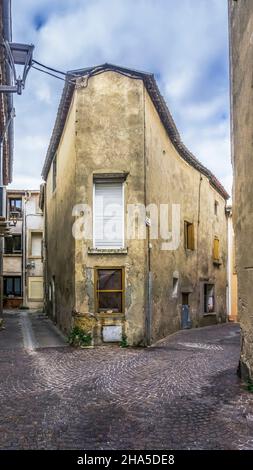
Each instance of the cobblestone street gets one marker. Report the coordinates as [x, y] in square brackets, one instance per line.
[181, 394]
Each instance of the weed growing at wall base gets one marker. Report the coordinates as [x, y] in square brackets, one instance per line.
[124, 343]
[249, 386]
[79, 337]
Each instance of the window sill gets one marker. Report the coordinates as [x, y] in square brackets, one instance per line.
[13, 254]
[35, 300]
[112, 315]
[107, 251]
[209, 314]
[12, 297]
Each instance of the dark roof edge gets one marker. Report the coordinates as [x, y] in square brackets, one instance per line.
[159, 103]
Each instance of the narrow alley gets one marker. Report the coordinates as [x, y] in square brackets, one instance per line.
[182, 393]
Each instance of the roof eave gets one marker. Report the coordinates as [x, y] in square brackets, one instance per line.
[160, 105]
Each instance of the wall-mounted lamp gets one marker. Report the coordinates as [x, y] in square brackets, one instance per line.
[17, 54]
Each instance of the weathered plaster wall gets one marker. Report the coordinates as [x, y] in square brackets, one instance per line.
[110, 140]
[12, 264]
[241, 55]
[60, 243]
[34, 221]
[171, 180]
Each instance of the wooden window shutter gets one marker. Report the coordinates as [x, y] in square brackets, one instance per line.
[108, 215]
[36, 239]
[191, 236]
[216, 249]
[186, 234]
[35, 287]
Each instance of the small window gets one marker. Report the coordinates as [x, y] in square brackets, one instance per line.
[36, 244]
[216, 249]
[216, 205]
[175, 287]
[15, 206]
[189, 235]
[209, 300]
[12, 244]
[109, 290]
[54, 173]
[12, 286]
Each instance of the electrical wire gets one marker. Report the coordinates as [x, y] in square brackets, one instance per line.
[52, 69]
[53, 75]
[95, 71]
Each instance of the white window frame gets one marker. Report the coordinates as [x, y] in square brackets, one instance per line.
[123, 217]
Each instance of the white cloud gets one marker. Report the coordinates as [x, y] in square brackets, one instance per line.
[183, 43]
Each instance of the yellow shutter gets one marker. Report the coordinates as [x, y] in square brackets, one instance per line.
[35, 288]
[185, 235]
[191, 236]
[216, 249]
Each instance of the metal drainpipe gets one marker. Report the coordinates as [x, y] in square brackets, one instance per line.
[148, 295]
[24, 251]
[197, 246]
[45, 262]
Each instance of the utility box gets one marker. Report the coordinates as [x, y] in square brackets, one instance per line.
[112, 334]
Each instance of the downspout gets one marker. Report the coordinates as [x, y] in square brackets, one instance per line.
[148, 293]
[24, 251]
[45, 267]
[197, 247]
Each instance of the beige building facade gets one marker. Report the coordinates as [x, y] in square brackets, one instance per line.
[115, 141]
[22, 256]
[232, 270]
[241, 64]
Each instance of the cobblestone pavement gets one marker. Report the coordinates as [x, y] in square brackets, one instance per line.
[182, 393]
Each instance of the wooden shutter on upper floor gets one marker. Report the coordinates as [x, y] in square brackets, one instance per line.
[35, 288]
[216, 249]
[191, 244]
[108, 215]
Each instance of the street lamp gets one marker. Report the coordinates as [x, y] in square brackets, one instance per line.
[17, 54]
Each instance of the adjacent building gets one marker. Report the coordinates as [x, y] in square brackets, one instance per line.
[22, 257]
[6, 127]
[135, 225]
[232, 270]
[241, 66]
[6, 103]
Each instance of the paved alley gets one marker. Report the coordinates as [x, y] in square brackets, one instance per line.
[181, 394]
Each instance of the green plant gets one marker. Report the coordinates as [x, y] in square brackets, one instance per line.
[79, 337]
[249, 386]
[123, 343]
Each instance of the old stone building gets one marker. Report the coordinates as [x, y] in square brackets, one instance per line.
[115, 141]
[241, 66]
[22, 256]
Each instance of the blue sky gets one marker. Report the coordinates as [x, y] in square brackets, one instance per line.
[184, 43]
